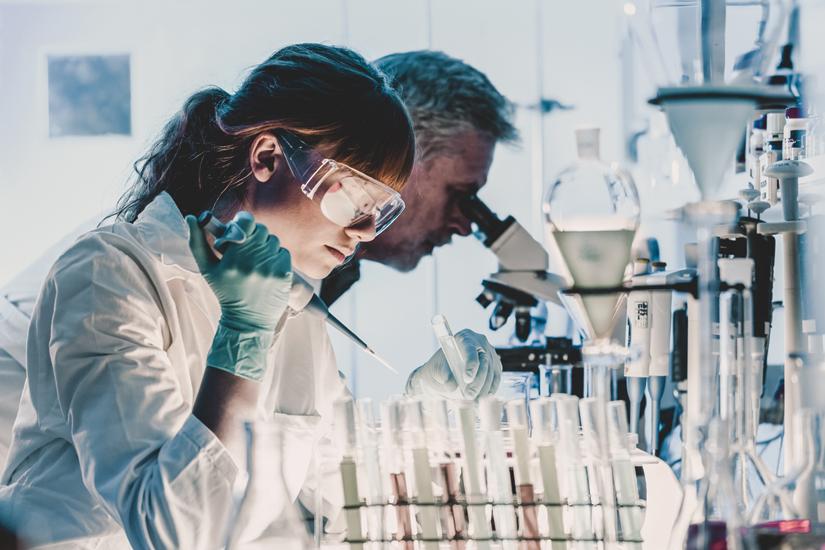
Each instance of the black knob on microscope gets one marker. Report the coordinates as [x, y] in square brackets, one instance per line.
[524, 324]
[501, 313]
[485, 299]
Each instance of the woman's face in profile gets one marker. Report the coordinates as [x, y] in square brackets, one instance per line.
[317, 244]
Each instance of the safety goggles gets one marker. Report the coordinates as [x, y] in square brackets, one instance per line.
[347, 197]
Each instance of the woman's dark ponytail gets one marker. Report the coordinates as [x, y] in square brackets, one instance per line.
[178, 156]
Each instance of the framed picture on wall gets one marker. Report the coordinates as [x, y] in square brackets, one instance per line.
[89, 95]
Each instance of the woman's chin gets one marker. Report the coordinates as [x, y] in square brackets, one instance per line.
[314, 269]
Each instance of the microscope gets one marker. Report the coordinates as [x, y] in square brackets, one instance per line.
[521, 283]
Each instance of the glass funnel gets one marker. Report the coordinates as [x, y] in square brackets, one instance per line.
[591, 213]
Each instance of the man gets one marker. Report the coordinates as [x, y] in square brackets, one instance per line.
[458, 117]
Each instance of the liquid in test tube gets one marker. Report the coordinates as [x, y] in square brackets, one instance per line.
[345, 430]
[517, 421]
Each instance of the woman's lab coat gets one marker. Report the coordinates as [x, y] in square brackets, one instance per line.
[105, 451]
[17, 299]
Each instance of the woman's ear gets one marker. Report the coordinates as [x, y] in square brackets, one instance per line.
[265, 156]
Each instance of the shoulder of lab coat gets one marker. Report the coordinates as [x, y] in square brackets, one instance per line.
[98, 345]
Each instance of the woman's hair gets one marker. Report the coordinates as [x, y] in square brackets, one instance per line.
[331, 97]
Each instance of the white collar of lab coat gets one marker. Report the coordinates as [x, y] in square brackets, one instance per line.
[164, 231]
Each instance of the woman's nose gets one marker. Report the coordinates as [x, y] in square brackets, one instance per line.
[362, 232]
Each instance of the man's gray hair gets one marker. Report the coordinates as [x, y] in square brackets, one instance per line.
[445, 97]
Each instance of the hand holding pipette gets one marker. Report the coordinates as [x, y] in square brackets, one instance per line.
[466, 366]
[301, 295]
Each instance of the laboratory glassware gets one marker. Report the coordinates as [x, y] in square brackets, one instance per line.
[591, 214]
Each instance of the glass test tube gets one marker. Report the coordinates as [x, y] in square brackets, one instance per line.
[594, 429]
[393, 447]
[518, 425]
[498, 474]
[437, 423]
[624, 475]
[543, 414]
[346, 433]
[577, 488]
[427, 513]
[473, 476]
[368, 441]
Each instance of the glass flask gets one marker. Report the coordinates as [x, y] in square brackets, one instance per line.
[265, 516]
[713, 520]
[796, 503]
[591, 213]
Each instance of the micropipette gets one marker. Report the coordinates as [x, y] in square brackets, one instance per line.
[316, 306]
[455, 359]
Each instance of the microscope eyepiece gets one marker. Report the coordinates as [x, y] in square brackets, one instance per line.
[485, 219]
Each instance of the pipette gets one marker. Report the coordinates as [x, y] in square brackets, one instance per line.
[455, 359]
[661, 316]
[637, 367]
[300, 286]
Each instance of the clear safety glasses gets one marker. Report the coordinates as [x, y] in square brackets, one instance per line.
[347, 197]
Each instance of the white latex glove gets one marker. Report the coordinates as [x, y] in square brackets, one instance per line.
[481, 377]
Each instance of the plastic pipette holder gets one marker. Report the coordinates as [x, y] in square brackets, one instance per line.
[451, 504]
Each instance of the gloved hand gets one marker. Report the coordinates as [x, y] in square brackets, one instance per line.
[482, 373]
[252, 281]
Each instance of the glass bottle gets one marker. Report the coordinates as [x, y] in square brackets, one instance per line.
[265, 516]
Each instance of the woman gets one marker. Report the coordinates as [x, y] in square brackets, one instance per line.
[123, 436]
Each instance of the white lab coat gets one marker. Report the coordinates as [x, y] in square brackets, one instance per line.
[17, 300]
[105, 451]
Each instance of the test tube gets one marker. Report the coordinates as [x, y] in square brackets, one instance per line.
[368, 440]
[594, 430]
[346, 432]
[452, 352]
[577, 489]
[518, 425]
[422, 474]
[393, 446]
[473, 478]
[437, 422]
[543, 414]
[624, 475]
[498, 474]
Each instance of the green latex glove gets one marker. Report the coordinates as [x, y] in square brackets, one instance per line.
[252, 281]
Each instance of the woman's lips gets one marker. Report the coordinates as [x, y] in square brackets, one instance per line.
[338, 255]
